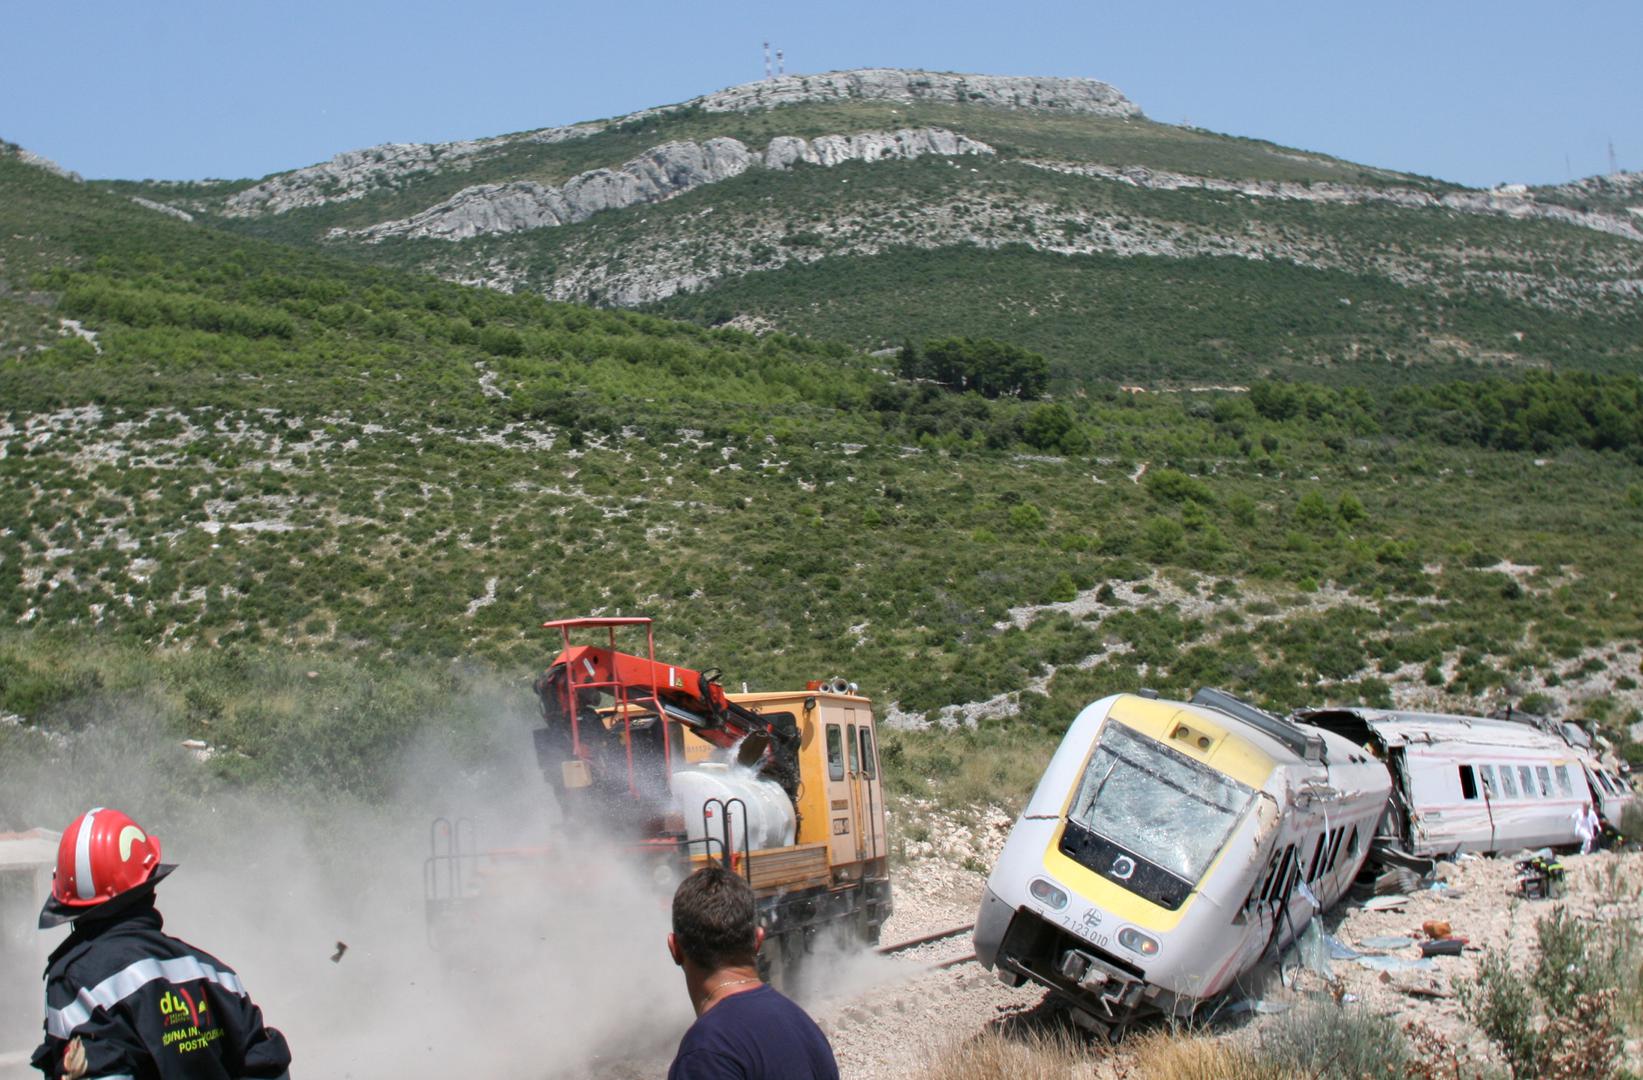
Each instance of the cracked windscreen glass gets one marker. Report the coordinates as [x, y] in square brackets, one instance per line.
[1158, 803]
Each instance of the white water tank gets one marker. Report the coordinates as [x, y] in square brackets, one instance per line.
[768, 811]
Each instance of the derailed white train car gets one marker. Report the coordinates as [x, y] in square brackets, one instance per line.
[1472, 783]
[1168, 846]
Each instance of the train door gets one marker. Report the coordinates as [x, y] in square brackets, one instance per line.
[869, 794]
[842, 838]
[863, 768]
[853, 750]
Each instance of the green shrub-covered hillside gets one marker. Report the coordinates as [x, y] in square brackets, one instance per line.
[225, 462]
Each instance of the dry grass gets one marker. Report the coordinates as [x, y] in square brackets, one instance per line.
[1167, 1055]
[1161, 1054]
[1028, 1056]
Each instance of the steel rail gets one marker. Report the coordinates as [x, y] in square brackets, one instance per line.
[912, 943]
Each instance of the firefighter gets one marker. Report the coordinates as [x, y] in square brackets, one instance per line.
[124, 999]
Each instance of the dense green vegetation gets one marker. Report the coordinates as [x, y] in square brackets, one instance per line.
[1153, 319]
[273, 461]
[990, 368]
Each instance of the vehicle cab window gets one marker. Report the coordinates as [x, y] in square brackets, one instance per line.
[835, 752]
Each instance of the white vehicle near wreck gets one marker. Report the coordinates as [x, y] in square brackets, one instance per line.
[1472, 783]
[1170, 845]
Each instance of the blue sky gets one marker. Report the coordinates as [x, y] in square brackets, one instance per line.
[1473, 92]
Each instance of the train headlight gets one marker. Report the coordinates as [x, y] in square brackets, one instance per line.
[1137, 942]
[1046, 893]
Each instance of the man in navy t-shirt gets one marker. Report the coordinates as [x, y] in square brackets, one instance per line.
[744, 1030]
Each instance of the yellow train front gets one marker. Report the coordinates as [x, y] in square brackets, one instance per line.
[1168, 846]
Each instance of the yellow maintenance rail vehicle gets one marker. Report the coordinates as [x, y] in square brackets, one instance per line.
[659, 762]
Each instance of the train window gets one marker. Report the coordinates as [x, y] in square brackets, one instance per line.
[1488, 772]
[855, 760]
[1316, 867]
[1603, 782]
[1508, 786]
[1526, 781]
[1264, 893]
[1544, 775]
[1170, 810]
[1294, 876]
[869, 764]
[1468, 783]
[1352, 843]
[1563, 784]
[835, 752]
[1334, 849]
[1275, 880]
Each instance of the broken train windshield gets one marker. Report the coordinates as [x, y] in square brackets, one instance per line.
[1158, 803]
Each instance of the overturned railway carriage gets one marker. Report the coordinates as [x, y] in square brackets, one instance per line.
[1472, 783]
[1168, 846]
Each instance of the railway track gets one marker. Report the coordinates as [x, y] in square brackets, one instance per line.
[940, 935]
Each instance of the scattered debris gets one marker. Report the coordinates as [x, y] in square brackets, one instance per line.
[202, 750]
[1385, 963]
[1417, 990]
[336, 957]
[1397, 880]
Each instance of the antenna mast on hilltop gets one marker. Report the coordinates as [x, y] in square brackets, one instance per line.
[767, 60]
[781, 69]
[1613, 168]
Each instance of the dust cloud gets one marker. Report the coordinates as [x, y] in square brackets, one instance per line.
[555, 968]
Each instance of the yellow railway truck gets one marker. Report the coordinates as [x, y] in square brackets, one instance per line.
[659, 761]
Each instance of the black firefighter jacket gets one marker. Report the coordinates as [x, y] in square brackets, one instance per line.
[150, 1007]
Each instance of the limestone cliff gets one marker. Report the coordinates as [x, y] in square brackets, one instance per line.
[1512, 201]
[659, 173]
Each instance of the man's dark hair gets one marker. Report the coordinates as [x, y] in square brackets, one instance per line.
[714, 920]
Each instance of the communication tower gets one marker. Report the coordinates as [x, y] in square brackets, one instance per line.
[767, 60]
[781, 69]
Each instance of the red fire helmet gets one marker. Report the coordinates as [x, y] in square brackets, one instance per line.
[103, 854]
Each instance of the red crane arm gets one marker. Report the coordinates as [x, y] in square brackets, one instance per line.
[686, 695]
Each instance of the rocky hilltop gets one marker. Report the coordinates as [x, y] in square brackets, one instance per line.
[355, 173]
[1088, 96]
[29, 157]
[350, 175]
